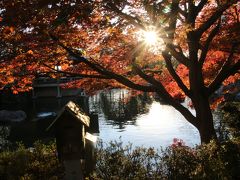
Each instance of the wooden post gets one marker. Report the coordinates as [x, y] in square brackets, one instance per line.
[90, 159]
[59, 91]
[73, 169]
[34, 96]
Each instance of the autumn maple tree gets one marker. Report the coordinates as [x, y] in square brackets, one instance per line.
[174, 48]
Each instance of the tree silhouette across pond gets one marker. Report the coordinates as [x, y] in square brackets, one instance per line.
[120, 108]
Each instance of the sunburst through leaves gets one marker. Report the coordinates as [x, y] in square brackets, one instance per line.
[151, 38]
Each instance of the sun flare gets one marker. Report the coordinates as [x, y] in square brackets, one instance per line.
[150, 37]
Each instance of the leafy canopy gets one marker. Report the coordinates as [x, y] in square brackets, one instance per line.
[108, 40]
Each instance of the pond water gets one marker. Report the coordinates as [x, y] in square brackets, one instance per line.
[150, 123]
[139, 120]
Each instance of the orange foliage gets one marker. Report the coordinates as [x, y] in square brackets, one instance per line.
[108, 39]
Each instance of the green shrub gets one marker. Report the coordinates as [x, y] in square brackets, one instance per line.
[210, 161]
[39, 162]
[118, 162]
[115, 161]
[227, 121]
[180, 162]
[220, 161]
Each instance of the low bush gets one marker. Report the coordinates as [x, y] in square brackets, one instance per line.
[39, 162]
[118, 162]
[209, 161]
[115, 161]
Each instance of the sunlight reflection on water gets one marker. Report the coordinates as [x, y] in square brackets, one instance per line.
[157, 128]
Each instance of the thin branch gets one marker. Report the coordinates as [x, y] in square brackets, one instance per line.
[101, 70]
[149, 79]
[175, 76]
[216, 15]
[133, 20]
[222, 76]
[191, 12]
[205, 48]
[200, 6]
[76, 74]
[226, 71]
[179, 56]
[173, 19]
[237, 14]
[182, 12]
[166, 96]
[152, 71]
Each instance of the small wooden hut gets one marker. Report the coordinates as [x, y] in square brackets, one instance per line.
[70, 130]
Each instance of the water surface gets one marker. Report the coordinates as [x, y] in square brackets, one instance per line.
[138, 120]
[153, 124]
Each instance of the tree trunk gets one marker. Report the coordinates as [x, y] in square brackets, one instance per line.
[207, 131]
[199, 96]
[205, 118]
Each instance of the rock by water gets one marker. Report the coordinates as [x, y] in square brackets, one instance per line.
[12, 116]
